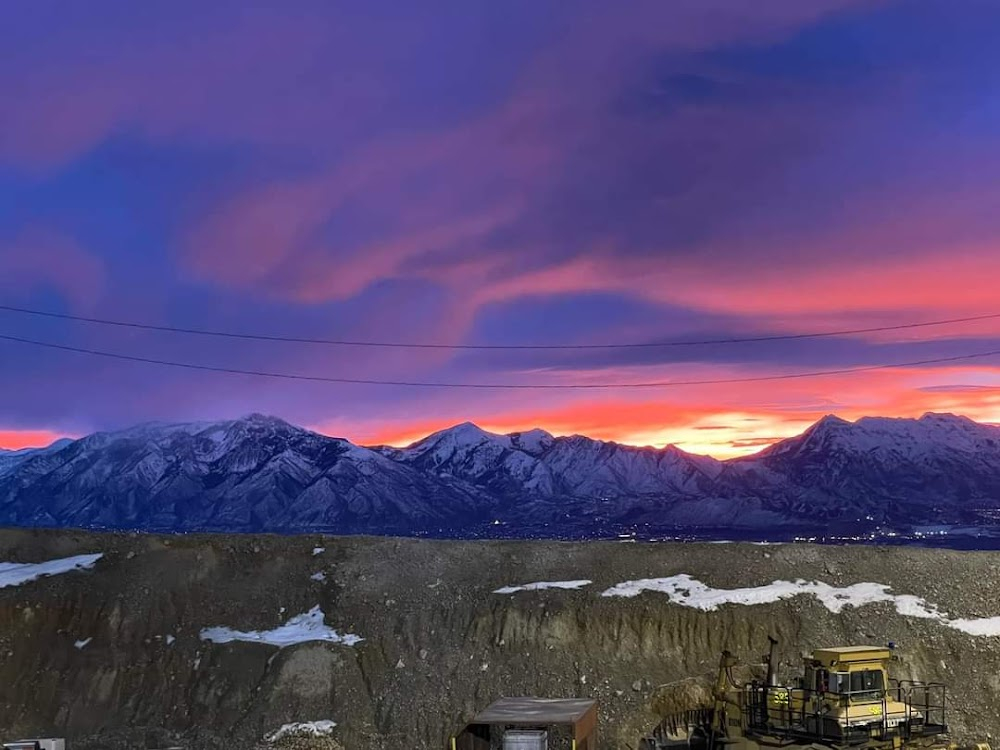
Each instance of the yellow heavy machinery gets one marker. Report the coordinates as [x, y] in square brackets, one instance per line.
[844, 699]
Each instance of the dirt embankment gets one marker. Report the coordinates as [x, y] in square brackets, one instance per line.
[438, 644]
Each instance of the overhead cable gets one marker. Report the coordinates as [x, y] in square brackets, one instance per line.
[425, 345]
[498, 386]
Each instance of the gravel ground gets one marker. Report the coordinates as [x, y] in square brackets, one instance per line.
[438, 644]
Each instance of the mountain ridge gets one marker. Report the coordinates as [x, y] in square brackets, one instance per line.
[257, 417]
[261, 473]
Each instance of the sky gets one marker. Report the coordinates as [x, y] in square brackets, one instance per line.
[484, 173]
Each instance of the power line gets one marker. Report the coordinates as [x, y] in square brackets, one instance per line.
[405, 345]
[504, 386]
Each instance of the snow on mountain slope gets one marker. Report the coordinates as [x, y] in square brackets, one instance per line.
[501, 463]
[594, 467]
[538, 464]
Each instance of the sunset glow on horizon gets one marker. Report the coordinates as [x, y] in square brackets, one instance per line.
[16, 439]
[711, 423]
[498, 175]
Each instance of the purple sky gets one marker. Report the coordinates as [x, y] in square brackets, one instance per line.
[498, 173]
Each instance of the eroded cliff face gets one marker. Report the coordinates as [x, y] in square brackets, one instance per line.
[438, 644]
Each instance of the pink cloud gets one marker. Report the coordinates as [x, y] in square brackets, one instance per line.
[823, 290]
[231, 84]
[246, 238]
[274, 237]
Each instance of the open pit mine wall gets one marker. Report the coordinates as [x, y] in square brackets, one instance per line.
[116, 650]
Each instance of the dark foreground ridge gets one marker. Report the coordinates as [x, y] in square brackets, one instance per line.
[115, 655]
[874, 479]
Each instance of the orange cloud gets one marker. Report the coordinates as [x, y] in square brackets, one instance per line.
[914, 283]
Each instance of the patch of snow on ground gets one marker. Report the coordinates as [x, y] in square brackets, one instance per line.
[170, 640]
[311, 728]
[982, 626]
[83, 644]
[543, 585]
[689, 592]
[319, 550]
[321, 576]
[303, 628]
[14, 574]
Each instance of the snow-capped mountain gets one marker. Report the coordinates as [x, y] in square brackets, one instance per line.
[262, 474]
[258, 473]
[940, 465]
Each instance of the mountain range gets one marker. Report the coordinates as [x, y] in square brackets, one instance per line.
[260, 473]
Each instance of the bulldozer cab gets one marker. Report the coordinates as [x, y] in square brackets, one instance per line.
[850, 682]
[858, 673]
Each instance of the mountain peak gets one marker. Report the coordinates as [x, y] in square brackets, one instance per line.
[824, 429]
[463, 435]
[467, 431]
[255, 424]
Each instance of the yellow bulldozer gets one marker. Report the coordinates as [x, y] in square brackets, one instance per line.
[844, 699]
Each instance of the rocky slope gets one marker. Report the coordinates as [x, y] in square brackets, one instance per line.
[262, 474]
[113, 656]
